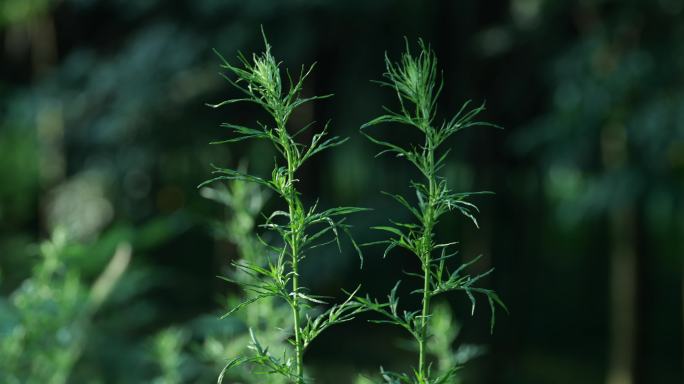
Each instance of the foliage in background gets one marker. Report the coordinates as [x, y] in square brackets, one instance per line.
[414, 79]
[445, 329]
[268, 317]
[610, 147]
[46, 322]
[300, 229]
[167, 352]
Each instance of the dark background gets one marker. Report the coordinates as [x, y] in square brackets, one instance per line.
[104, 131]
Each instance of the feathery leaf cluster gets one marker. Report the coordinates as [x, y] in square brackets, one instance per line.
[300, 229]
[415, 82]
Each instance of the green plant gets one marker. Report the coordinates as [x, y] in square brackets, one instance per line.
[268, 317]
[195, 351]
[444, 331]
[167, 350]
[46, 322]
[414, 79]
[299, 228]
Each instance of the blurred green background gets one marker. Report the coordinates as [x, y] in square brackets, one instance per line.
[104, 135]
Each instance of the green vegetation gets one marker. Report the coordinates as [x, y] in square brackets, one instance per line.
[300, 229]
[414, 79]
[47, 319]
[103, 141]
[266, 317]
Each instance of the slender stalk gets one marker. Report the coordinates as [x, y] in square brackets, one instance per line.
[293, 203]
[299, 352]
[295, 314]
[427, 259]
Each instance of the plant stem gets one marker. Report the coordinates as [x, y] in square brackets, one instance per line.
[293, 202]
[424, 325]
[426, 258]
[295, 314]
[299, 352]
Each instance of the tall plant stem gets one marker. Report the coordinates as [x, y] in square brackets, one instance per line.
[299, 352]
[424, 323]
[295, 228]
[426, 258]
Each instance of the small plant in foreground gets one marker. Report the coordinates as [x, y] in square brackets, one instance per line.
[414, 79]
[299, 228]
